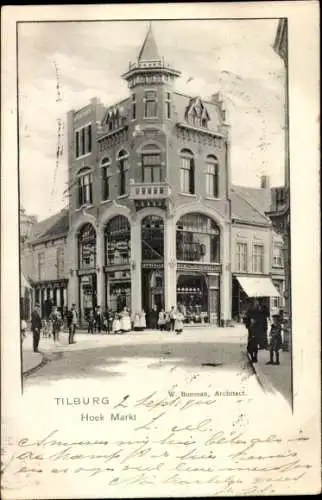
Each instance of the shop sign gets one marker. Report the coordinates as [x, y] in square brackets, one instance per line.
[152, 265]
[202, 268]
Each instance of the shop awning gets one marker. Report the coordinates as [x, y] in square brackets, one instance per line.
[258, 287]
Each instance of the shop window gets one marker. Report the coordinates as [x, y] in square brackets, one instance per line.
[197, 239]
[212, 184]
[150, 104]
[117, 241]
[106, 176]
[83, 141]
[151, 167]
[87, 247]
[152, 235]
[258, 259]
[242, 257]
[123, 167]
[192, 298]
[187, 172]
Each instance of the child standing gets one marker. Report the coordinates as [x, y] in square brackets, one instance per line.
[275, 340]
[91, 321]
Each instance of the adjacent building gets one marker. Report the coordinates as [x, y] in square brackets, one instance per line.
[153, 217]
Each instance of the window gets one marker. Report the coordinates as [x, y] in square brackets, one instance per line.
[258, 258]
[278, 302]
[87, 247]
[117, 241]
[60, 262]
[85, 191]
[242, 257]
[278, 255]
[212, 188]
[187, 172]
[151, 167]
[150, 101]
[167, 105]
[123, 165]
[152, 236]
[197, 239]
[83, 140]
[41, 264]
[133, 106]
[106, 175]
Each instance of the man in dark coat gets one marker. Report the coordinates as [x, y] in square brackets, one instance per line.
[72, 322]
[36, 326]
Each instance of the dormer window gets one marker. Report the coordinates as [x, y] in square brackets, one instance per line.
[197, 114]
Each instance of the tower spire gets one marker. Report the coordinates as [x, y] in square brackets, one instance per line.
[149, 50]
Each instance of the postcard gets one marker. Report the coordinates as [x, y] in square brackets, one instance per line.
[160, 251]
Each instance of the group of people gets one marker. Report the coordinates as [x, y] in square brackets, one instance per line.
[256, 322]
[51, 326]
[109, 321]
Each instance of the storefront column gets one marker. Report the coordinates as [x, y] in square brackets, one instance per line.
[226, 279]
[170, 265]
[72, 287]
[136, 285]
[100, 295]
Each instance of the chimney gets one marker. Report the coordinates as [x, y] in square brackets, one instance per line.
[265, 182]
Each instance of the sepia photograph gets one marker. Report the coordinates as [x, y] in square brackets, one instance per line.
[163, 207]
[158, 340]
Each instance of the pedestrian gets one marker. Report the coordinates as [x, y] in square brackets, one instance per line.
[161, 320]
[98, 319]
[23, 329]
[116, 326]
[172, 318]
[167, 325]
[36, 327]
[142, 320]
[252, 342]
[110, 317]
[275, 335]
[90, 320]
[263, 315]
[136, 322]
[72, 322]
[125, 321]
[153, 318]
[55, 319]
[178, 323]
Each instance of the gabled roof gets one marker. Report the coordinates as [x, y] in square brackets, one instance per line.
[258, 197]
[244, 211]
[149, 50]
[182, 102]
[56, 226]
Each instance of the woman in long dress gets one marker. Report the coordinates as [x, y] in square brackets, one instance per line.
[116, 325]
[178, 323]
[142, 321]
[125, 321]
[136, 322]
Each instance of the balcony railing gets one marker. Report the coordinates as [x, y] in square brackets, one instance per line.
[150, 191]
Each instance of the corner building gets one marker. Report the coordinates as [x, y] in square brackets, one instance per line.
[149, 198]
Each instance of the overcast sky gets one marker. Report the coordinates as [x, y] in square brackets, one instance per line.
[235, 57]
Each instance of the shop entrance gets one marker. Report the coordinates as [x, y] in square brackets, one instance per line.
[152, 289]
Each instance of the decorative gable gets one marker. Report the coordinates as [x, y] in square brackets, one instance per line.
[196, 113]
[115, 117]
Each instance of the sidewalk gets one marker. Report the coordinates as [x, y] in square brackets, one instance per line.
[30, 359]
[275, 377]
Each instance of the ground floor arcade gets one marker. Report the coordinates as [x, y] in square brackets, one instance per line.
[153, 260]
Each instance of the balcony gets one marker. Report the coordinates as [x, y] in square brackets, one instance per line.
[150, 191]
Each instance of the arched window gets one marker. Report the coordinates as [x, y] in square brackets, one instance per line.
[152, 234]
[187, 172]
[117, 236]
[87, 247]
[197, 239]
[85, 187]
[152, 170]
[212, 178]
[106, 176]
[123, 167]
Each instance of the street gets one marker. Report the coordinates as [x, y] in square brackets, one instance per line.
[199, 358]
